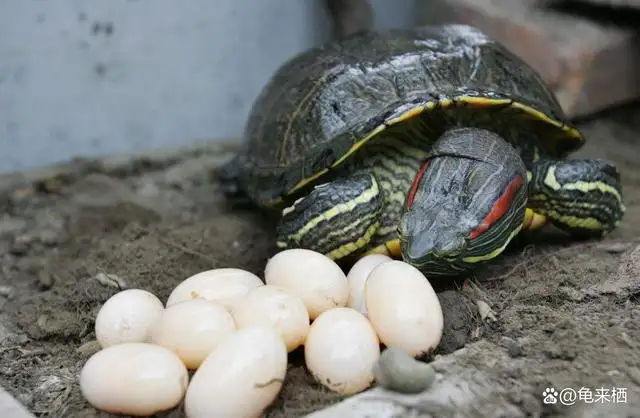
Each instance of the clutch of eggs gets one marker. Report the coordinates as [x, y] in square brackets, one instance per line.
[234, 330]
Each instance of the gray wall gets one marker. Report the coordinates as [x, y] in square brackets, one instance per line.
[81, 77]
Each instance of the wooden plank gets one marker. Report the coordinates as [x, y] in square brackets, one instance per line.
[589, 65]
[10, 407]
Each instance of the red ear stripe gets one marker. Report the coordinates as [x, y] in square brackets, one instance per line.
[416, 182]
[499, 208]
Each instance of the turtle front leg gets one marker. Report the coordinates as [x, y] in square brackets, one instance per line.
[337, 219]
[582, 197]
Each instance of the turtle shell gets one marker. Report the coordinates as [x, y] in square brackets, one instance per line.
[324, 104]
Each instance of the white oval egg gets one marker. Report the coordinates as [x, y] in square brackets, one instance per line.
[341, 351]
[274, 306]
[192, 329]
[241, 378]
[403, 308]
[127, 317]
[357, 277]
[311, 276]
[224, 285]
[136, 379]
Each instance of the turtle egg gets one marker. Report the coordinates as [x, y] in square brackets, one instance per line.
[311, 276]
[192, 329]
[127, 317]
[224, 285]
[403, 308]
[357, 277]
[241, 377]
[274, 306]
[341, 351]
[137, 379]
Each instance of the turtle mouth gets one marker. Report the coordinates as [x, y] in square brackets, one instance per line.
[421, 250]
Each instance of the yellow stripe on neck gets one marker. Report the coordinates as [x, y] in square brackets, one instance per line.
[349, 206]
[582, 186]
[493, 254]
[352, 247]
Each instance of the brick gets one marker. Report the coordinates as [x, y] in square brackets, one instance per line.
[589, 65]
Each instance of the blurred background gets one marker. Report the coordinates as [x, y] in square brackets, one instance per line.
[84, 78]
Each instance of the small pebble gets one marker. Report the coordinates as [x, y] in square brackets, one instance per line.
[396, 370]
[21, 245]
[614, 247]
[513, 348]
[6, 291]
[485, 311]
[45, 279]
[50, 237]
[111, 280]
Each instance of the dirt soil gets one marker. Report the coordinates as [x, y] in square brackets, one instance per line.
[566, 313]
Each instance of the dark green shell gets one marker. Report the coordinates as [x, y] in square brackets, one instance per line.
[321, 102]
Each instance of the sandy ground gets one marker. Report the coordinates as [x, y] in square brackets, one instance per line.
[567, 314]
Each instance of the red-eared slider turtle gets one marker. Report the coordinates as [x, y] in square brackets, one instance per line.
[435, 144]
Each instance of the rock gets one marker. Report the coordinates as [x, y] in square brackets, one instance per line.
[514, 349]
[6, 291]
[21, 245]
[614, 247]
[572, 54]
[459, 390]
[111, 280]
[485, 311]
[45, 279]
[398, 371]
[625, 282]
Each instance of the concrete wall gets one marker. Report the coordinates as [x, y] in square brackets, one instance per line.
[88, 77]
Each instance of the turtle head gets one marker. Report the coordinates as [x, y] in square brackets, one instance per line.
[465, 204]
